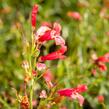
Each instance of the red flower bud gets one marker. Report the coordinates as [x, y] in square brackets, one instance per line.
[33, 15]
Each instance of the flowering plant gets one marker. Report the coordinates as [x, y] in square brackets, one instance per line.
[64, 65]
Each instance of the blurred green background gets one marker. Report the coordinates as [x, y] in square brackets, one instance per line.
[83, 38]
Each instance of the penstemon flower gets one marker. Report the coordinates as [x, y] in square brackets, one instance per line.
[74, 93]
[55, 55]
[45, 33]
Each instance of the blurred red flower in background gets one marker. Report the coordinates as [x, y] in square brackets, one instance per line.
[100, 98]
[74, 15]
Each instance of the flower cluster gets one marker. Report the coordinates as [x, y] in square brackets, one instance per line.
[45, 33]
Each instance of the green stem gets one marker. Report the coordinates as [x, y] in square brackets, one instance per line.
[31, 94]
[32, 81]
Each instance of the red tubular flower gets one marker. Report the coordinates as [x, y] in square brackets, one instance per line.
[74, 15]
[100, 62]
[46, 36]
[55, 55]
[74, 93]
[81, 88]
[33, 15]
[65, 92]
[41, 32]
[45, 33]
